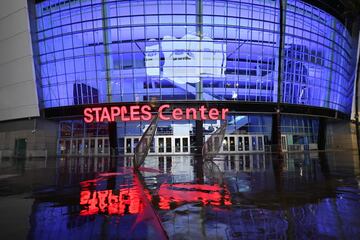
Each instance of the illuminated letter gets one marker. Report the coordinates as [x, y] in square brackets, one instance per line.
[135, 113]
[123, 114]
[88, 117]
[115, 112]
[161, 109]
[177, 114]
[146, 113]
[213, 114]
[105, 115]
[97, 113]
[224, 112]
[202, 110]
[188, 111]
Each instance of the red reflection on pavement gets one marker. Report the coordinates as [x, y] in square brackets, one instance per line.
[119, 202]
[181, 193]
[128, 200]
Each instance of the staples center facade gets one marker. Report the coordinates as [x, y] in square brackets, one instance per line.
[188, 54]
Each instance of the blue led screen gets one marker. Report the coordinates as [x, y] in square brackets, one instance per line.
[124, 51]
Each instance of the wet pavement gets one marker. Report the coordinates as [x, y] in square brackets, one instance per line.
[255, 196]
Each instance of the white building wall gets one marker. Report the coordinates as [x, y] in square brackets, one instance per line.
[18, 96]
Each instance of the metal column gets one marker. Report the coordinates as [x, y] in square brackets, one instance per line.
[199, 132]
[276, 120]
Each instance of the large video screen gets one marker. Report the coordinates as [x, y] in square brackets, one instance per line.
[133, 51]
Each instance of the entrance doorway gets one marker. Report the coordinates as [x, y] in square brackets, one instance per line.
[243, 143]
[160, 145]
[20, 147]
[98, 146]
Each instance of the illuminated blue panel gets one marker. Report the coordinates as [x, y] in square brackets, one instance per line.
[319, 63]
[134, 51]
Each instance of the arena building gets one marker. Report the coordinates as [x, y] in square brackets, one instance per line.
[85, 77]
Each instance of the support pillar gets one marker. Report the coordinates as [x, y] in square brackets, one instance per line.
[199, 136]
[276, 133]
[322, 134]
[113, 138]
[276, 121]
[199, 132]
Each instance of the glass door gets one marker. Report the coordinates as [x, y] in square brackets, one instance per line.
[232, 144]
[240, 144]
[67, 147]
[161, 144]
[177, 145]
[62, 148]
[246, 144]
[86, 146]
[128, 145]
[106, 146]
[253, 143]
[168, 145]
[225, 144]
[136, 140]
[185, 144]
[79, 147]
[100, 146]
[260, 143]
[92, 146]
[73, 147]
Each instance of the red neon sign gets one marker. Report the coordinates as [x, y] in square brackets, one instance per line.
[137, 113]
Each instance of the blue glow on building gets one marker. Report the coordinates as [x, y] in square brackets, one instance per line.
[94, 51]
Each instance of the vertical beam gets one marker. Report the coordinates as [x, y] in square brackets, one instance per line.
[322, 134]
[106, 41]
[112, 129]
[199, 32]
[276, 123]
[275, 132]
[199, 136]
[199, 133]
[282, 21]
[328, 97]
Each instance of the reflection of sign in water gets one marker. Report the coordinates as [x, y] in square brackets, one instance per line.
[181, 193]
[128, 201]
[186, 59]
